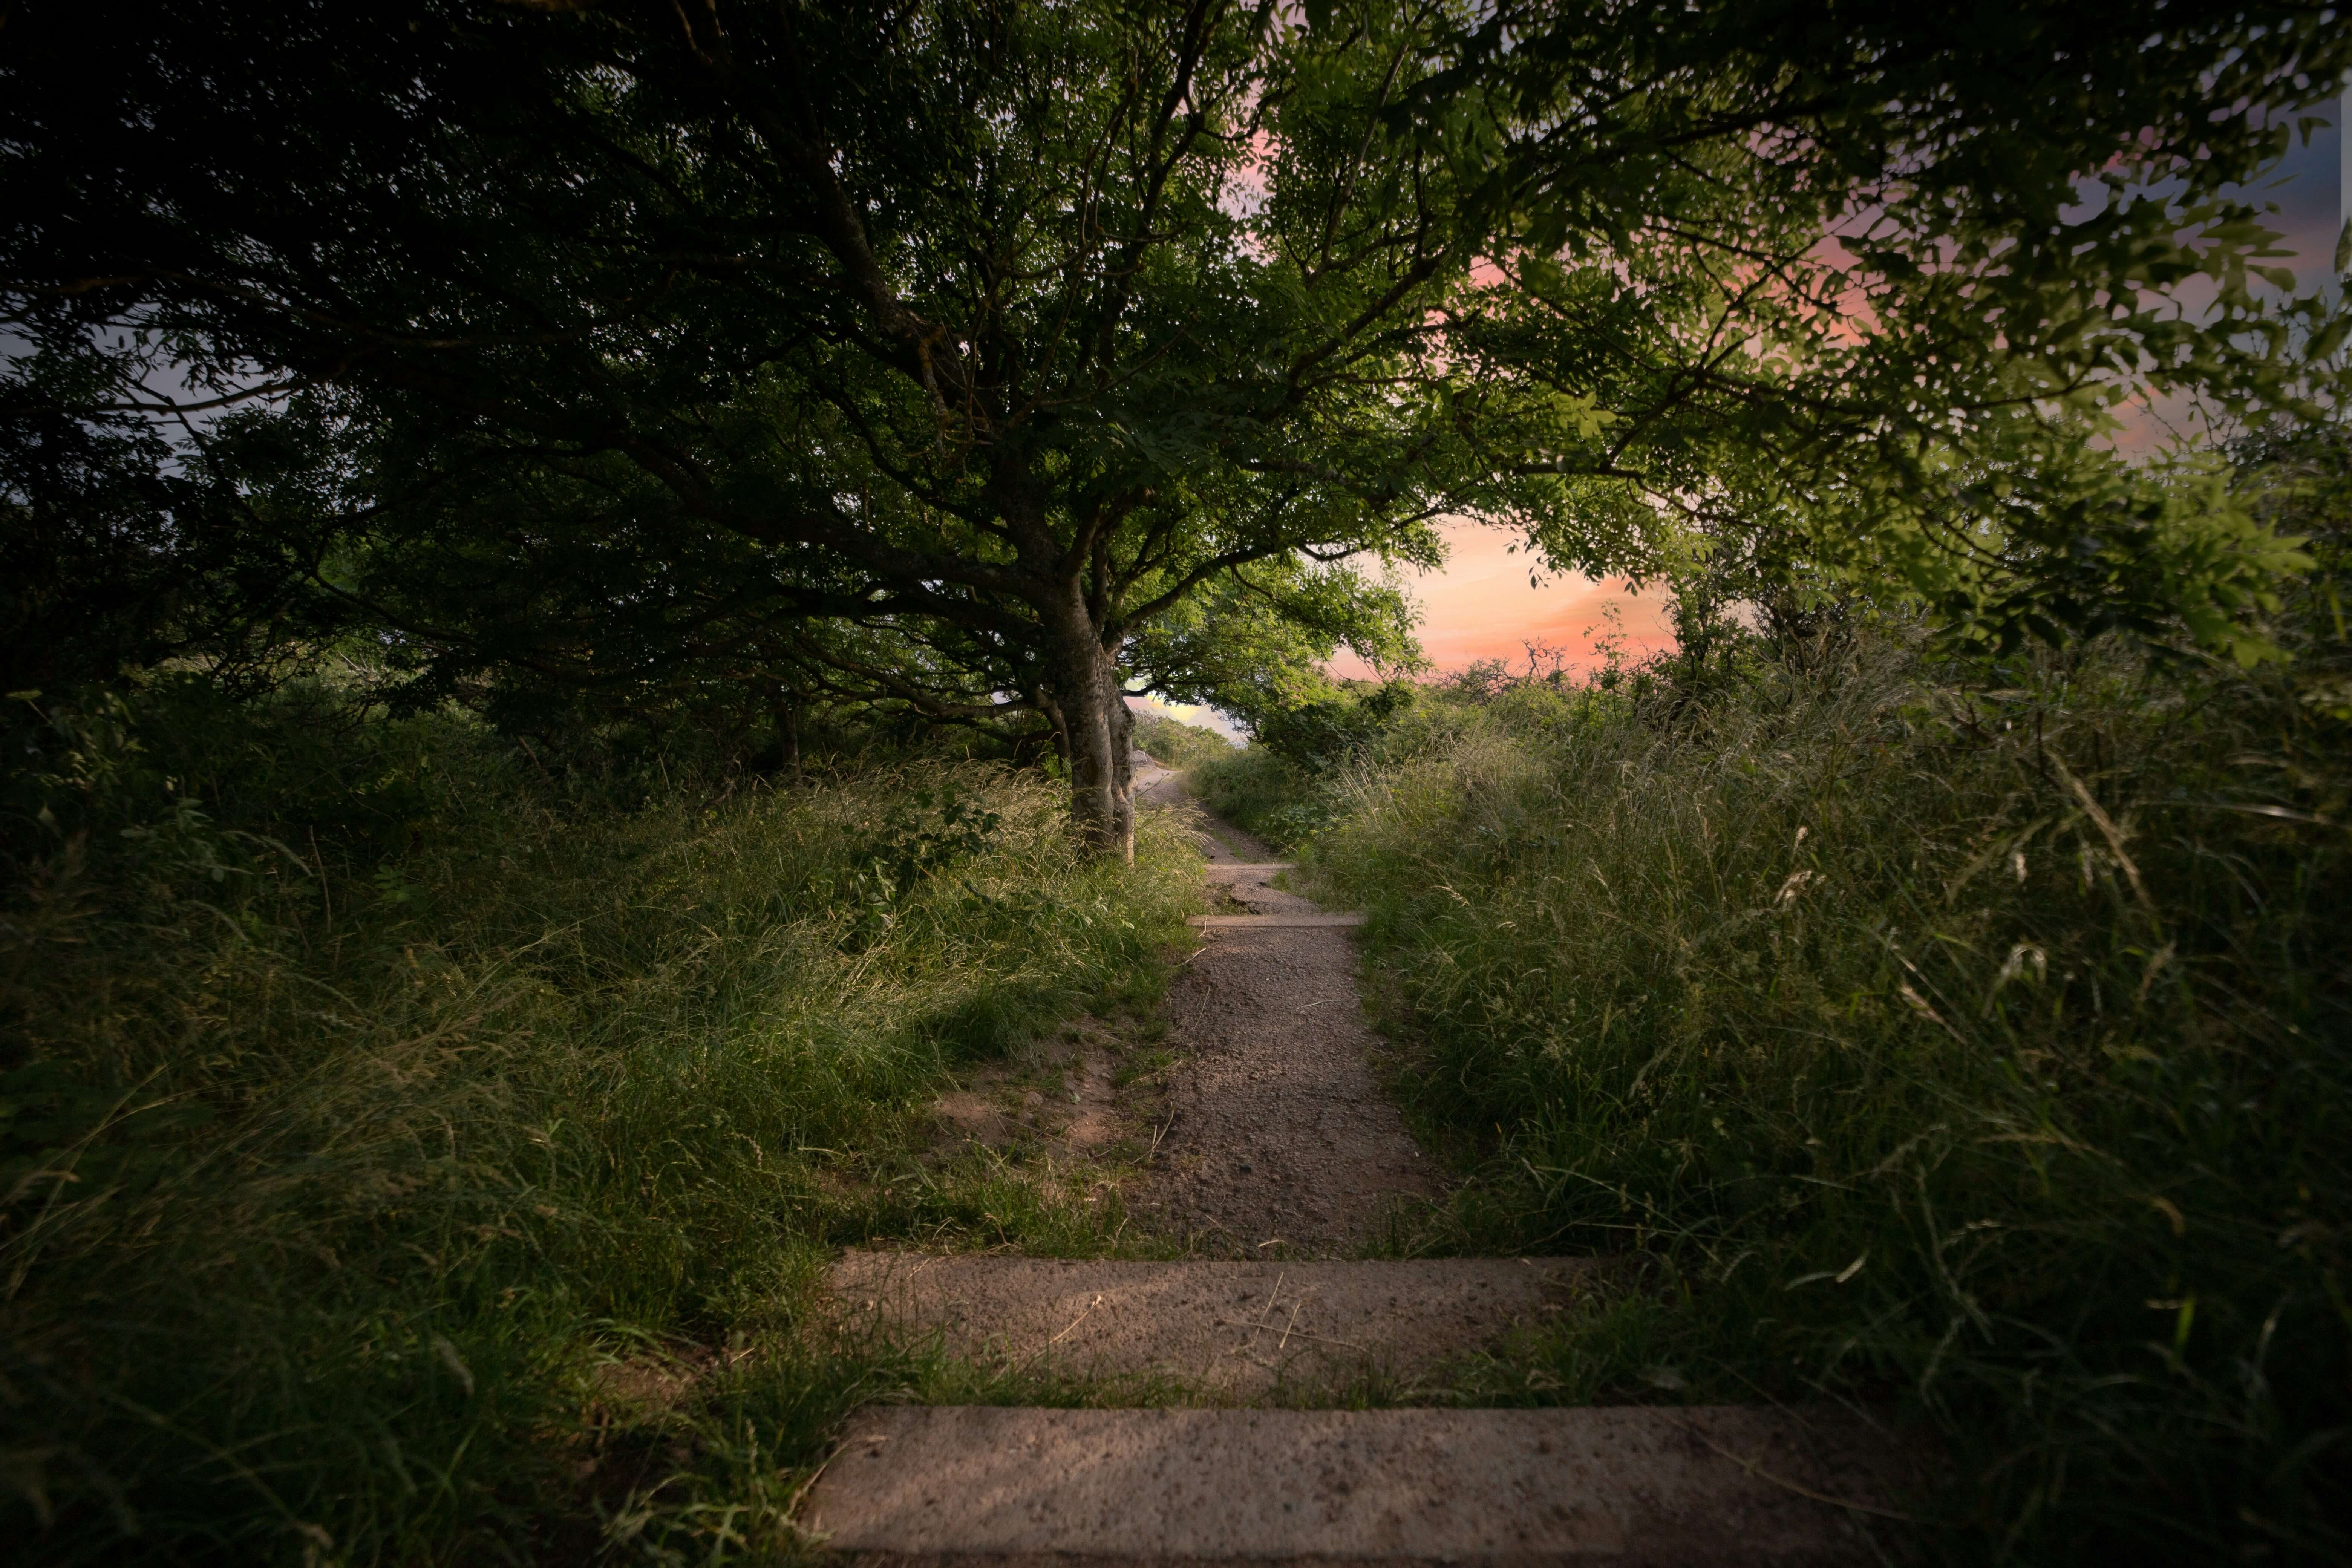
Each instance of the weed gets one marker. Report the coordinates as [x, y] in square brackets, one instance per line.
[368, 1101]
[1975, 1045]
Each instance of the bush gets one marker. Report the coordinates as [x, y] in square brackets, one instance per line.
[368, 1096]
[1259, 792]
[1177, 744]
[1314, 738]
[1978, 1044]
[1281, 786]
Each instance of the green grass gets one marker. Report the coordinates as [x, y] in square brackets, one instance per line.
[370, 1098]
[1974, 1047]
[1175, 743]
[1259, 792]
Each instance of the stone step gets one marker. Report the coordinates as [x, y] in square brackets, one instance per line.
[1628, 1486]
[1233, 870]
[1237, 1330]
[1258, 922]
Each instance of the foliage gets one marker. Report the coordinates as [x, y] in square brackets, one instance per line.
[1851, 301]
[1260, 794]
[995, 361]
[1969, 1040]
[1175, 743]
[920, 356]
[1317, 737]
[409, 1156]
[1282, 787]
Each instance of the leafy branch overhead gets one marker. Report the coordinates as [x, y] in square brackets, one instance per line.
[996, 362]
[922, 355]
[1849, 295]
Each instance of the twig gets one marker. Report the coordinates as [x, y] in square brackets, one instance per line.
[1081, 1318]
[1298, 1334]
[1266, 1318]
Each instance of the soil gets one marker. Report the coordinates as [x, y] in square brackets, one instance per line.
[1067, 1093]
[1214, 1330]
[1278, 1140]
[1255, 1117]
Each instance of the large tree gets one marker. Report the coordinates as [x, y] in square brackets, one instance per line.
[932, 351]
[993, 358]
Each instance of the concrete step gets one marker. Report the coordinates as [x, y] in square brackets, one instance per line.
[1229, 1330]
[1258, 922]
[1629, 1486]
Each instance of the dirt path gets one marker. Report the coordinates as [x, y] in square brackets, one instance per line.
[1280, 1154]
[1278, 1138]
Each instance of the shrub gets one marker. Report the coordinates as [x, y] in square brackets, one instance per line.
[1176, 743]
[368, 1095]
[1317, 737]
[1982, 1045]
[1280, 788]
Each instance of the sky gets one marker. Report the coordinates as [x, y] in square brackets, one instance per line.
[2312, 187]
[1482, 605]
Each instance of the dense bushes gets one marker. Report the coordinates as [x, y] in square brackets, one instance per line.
[1984, 1045]
[370, 1092]
[1175, 743]
[1281, 787]
[1259, 792]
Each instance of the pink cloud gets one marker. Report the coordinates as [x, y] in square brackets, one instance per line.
[1481, 605]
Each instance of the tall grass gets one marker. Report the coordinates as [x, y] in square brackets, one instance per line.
[1258, 793]
[370, 1099]
[1175, 743]
[1983, 1050]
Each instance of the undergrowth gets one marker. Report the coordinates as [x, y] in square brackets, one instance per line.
[385, 1116]
[1261, 794]
[1968, 1039]
[1175, 743]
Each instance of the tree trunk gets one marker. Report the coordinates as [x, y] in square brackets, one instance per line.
[1096, 734]
[788, 733]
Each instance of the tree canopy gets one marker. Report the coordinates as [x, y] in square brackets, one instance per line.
[1860, 290]
[998, 360]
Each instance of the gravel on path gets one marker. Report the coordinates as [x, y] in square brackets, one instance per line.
[1278, 1135]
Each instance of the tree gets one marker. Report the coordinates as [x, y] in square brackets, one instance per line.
[931, 351]
[994, 359]
[1847, 293]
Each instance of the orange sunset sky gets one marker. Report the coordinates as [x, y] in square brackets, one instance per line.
[1481, 605]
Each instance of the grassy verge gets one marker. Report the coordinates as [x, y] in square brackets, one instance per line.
[410, 1159]
[1260, 793]
[1177, 744]
[1980, 1047]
